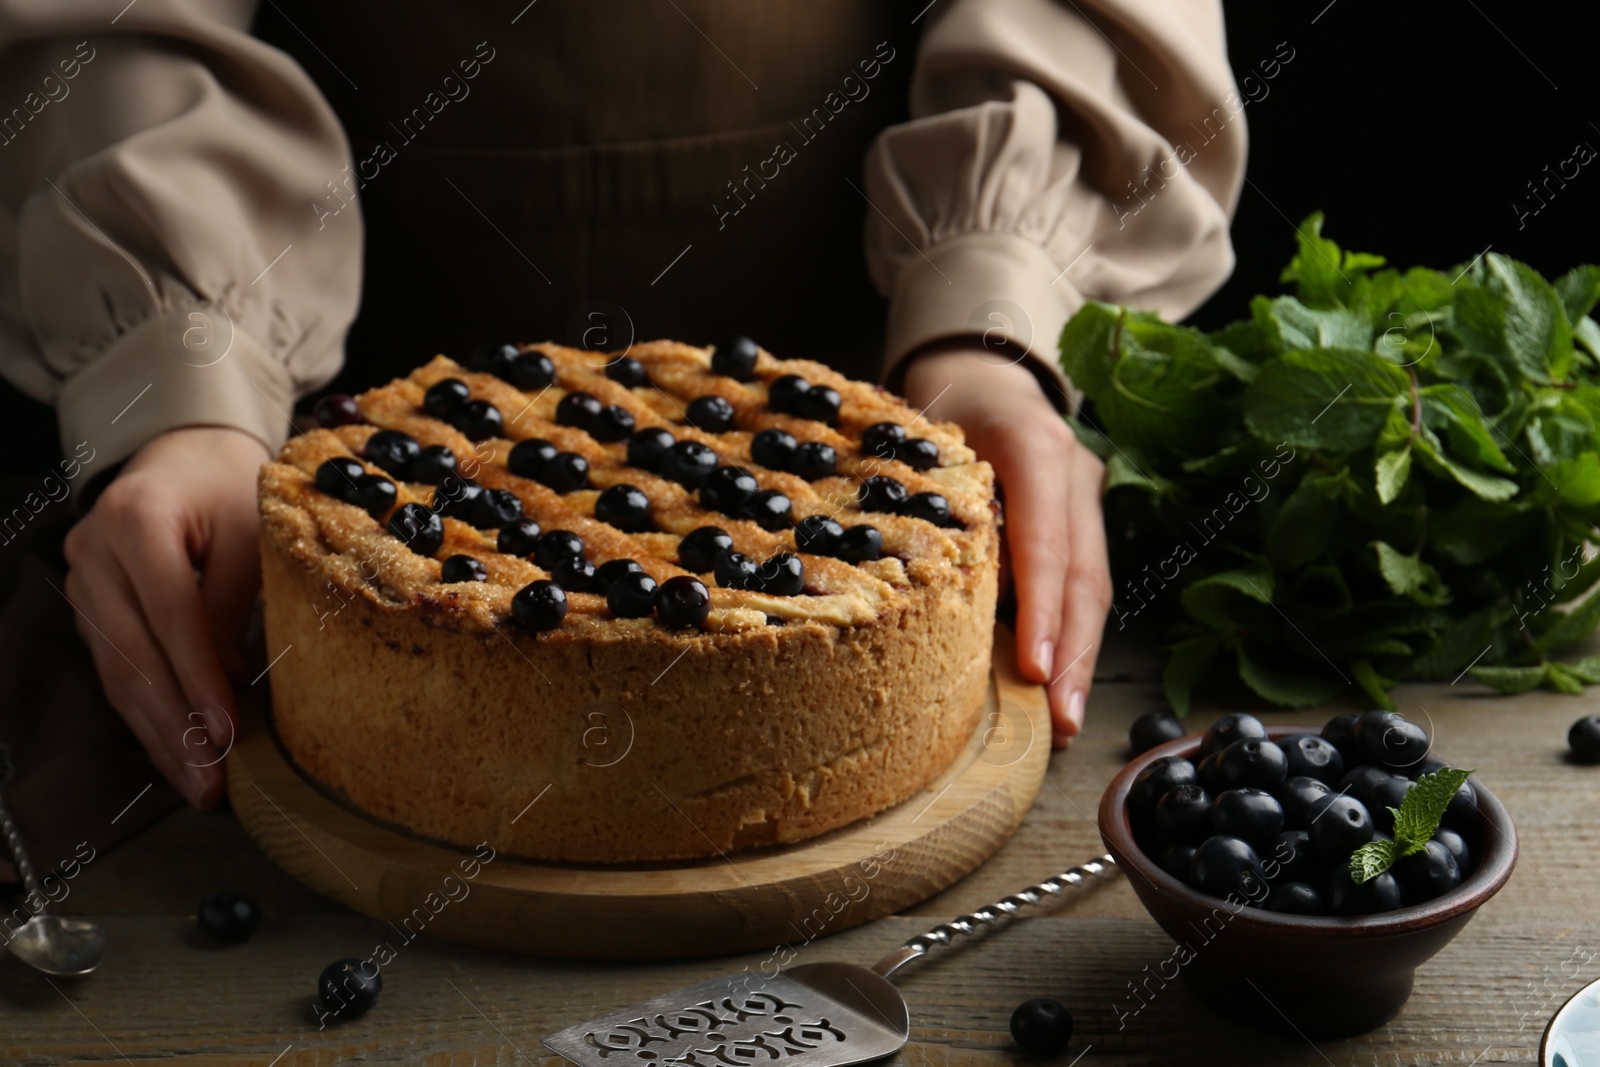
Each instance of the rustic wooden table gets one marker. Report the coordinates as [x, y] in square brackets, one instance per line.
[167, 995]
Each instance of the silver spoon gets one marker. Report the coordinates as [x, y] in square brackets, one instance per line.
[53, 944]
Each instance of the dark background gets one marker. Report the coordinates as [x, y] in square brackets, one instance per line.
[1414, 126]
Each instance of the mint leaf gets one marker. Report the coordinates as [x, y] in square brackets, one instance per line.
[1508, 681]
[1294, 326]
[1288, 687]
[1485, 486]
[1409, 576]
[1216, 599]
[1417, 818]
[1391, 471]
[1579, 288]
[1333, 398]
[1513, 312]
[1187, 664]
[1571, 627]
[1371, 860]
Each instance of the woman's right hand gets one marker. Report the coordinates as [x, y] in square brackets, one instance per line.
[163, 572]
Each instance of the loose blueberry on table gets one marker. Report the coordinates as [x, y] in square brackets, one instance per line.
[228, 916]
[1042, 1026]
[349, 988]
[1153, 728]
[1275, 824]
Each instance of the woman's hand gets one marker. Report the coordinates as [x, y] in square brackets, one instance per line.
[163, 574]
[1054, 531]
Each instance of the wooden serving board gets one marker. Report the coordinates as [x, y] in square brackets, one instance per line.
[778, 897]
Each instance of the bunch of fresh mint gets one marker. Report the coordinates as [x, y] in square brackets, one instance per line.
[1385, 477]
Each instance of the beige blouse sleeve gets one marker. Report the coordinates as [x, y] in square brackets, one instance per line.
[1058, 150]
[167, 256]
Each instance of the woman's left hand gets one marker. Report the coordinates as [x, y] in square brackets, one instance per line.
[1054, 529]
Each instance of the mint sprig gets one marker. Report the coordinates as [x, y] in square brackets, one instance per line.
[1416, 820]
[1341, 490]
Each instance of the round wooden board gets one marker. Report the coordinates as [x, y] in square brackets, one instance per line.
[755, 899]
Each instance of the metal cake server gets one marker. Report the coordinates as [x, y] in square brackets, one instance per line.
[814, 1015]
[53, 944]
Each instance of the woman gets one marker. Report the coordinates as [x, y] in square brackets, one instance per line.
[192, 207]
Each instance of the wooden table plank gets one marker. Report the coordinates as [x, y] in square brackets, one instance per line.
[165, 994]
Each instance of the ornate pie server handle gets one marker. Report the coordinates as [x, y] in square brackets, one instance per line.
[992, 915]
[19, 854]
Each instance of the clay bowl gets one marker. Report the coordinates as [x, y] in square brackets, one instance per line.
[1320, 975]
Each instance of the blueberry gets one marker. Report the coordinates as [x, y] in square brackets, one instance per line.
[1163, 774]
[1456, 845]
[1207, 775]
[1228, 729]
[566, 472]
[699, 549]
[433, 465]
[527, 459]
[612, 424]
[494, 359]
[881, 493]
[1359, 782]
[736, 358]
[1297, 794]
[575, 574]
[555, 546]
[1338, 826]
[1431, 765]
[784, 392]
[1584, 739]
[813, 460]
[494, 508]
[726, 489]
[391, 450]
[861, 544]
[627, 372]
[818, 535]
[419, 528]
[1041, 1026]
[611, 572]
[337, 477]
[532, 371]
[625, 507]
[633, 596]
[228, 916]
[518, 538]
[478, 420]
[372, 492]
[1184, 814]
[1153, 728]
[1252, 762]
[769, 509]
[782, 575]
[1345, 897]
[336, 409]
[1392, 740]
[683, 601]
[445, 398]
[1176, 861]
[929, 507]
[349, 988]
[539, 605]
[1250, 813]
[881, 439]
[455, 496]
[1227, 866]
[918, 453]
[1340, 732]
[713, 414]
[578, 409]
[647, 446]
[735, 570]
[1313, 756]
[1291, 858]
[820, 402]
[1462, 811]
[773, 449]
[462, 569]
[1383, 796]
[1426, 874]
[1296, 898]
[689, 463]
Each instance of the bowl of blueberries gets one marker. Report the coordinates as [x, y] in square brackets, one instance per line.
[1239, 842]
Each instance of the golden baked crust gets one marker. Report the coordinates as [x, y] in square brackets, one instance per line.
[609, 739]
